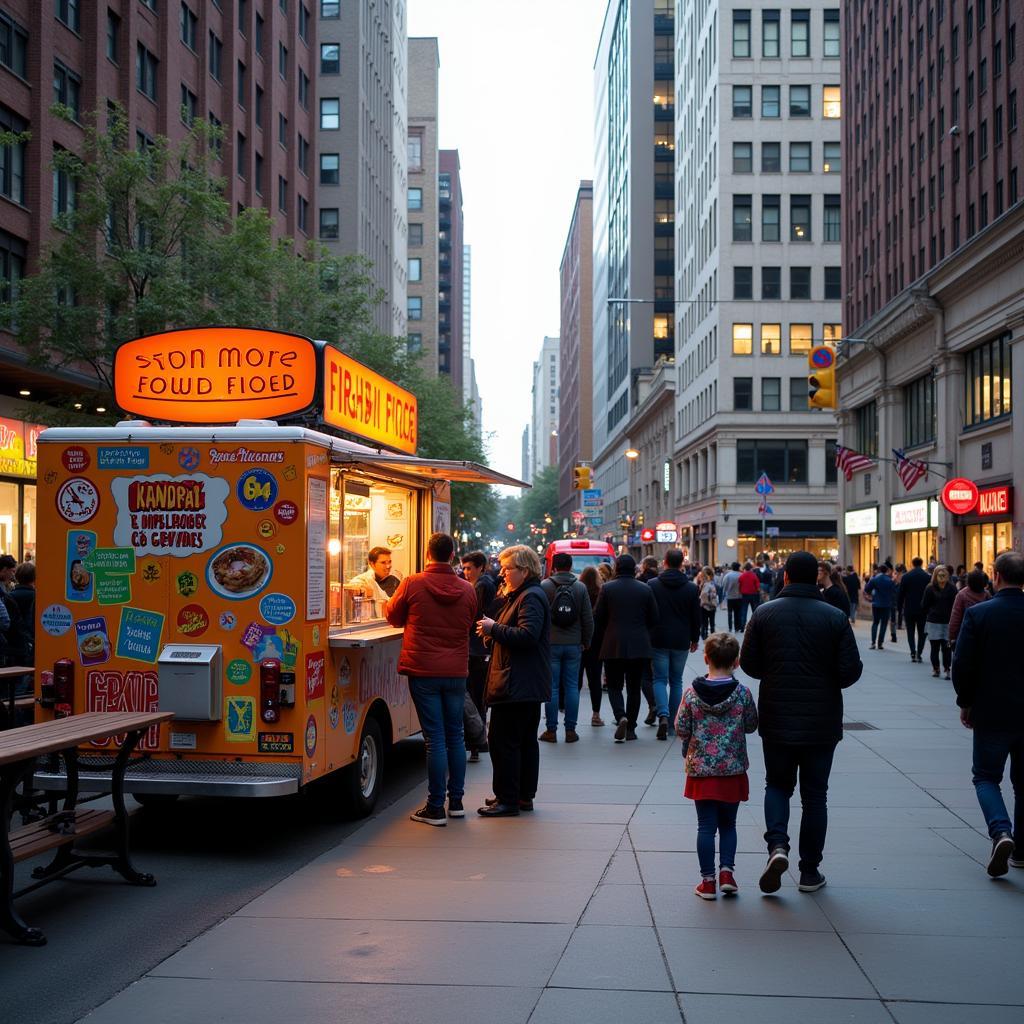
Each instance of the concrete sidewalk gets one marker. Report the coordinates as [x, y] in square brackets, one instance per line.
[583, 910]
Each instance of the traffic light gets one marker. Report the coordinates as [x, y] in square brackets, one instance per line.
[821, 381]
[581, 478]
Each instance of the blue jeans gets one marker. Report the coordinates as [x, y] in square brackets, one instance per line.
[781, 763]
[669, 663]
[991, 750]
[716, 816]
[565, 676]
[439, 704]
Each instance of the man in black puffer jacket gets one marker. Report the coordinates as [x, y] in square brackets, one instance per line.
[803, 651]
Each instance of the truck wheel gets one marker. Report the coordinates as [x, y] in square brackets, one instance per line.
[361, 781]
[155, 799]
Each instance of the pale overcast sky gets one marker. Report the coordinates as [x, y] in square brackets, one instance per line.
[516, 100]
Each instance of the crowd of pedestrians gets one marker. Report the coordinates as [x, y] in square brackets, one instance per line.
[629, 629]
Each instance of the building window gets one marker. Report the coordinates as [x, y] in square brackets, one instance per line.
[414, 148]
[799, 101]
[330, 114]
[12, 157]
[415, 307]
[64, 193]
[831, 40]
[771, 157]
[217, 136]
[240, 86]
[831, 333]
[784, 461]
[742, 282]
[304, 23]
[771, 339]
[330, 8]
[67, 12]
[833, 282]
[742, 339]
[113, 37]
[330, 164]
[13, 45]
[282, 194]
[216, 56]
[770, 34]
[188, 25]
[741, 33]
[329, 223]
[800, 33]
[832, 219]
[831, 104]
[830, 461]
[831, 160]
[12, 269]
[258, 107]
[414, 344]
[282, 130]
[771, 394]
[771, 101]
[865, 429]
[987, 381]
[282, 60]
[303, 89]
[770, 217]
[798, 394]
[243, 16]
[188, 105]
[799, 157]
[415, 234]
[742, 158]
[258, 173]
[258, 37]
[415, 269]
[742, 218]
[241, 156]
[303, 155]
[415, 199]
[67, 88]
[771, 282]
[743, 393]
[742, 101]
[330, 58]
[799, 282]
[800, 339]
[919, 411]
[800, 218]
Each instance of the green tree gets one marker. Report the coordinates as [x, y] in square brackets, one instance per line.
[539, 507]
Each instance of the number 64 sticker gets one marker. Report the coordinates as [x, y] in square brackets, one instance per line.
[257, 490]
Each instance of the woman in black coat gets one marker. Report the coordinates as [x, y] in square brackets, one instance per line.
[830, 582]
[937, 606]
[518, 681]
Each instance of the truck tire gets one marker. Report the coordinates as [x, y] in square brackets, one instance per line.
[362, 781]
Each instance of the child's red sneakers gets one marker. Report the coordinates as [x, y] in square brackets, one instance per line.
[706, 889]
[727, 883]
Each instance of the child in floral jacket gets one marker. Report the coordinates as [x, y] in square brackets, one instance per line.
[715, 715]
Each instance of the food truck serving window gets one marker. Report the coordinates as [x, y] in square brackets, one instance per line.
[371, 543]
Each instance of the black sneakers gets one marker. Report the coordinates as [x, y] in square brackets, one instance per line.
[811, 881]
[620, 730]
[455, 808]
[1002, 849]
[663, 727]
[652, 717]
[778, 864]
[430, 815]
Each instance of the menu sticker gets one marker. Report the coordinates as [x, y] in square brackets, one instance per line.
[165, 515]
[122, 457]
[117, 561]
[78, 581]
[238, 672]
[316, 548]
[55, 619]
[93, 642]
[113, 589]
[277, 608]
[138, 635]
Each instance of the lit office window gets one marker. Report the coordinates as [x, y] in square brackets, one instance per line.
[831, 106]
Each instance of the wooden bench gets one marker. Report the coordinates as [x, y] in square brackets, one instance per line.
[19, 749]
[10, 674]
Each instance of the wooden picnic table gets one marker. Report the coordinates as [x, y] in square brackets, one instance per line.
[19, 749]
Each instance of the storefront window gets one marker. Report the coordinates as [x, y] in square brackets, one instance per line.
[28, 521]
[911, 544]
[9, 519]
[985, 541]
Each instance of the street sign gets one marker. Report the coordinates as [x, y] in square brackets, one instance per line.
[593, 498]
[764, 485]
[773, 531]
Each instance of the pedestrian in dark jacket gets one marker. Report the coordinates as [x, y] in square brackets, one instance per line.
[937, 606]
[832, 590]
[852, 583]
[518, 681]
[988, 676]
[805, 655]
[676, 634]
[882, 592]
[626, 612]
[969, 595]
[572, 629]
[908, 601]
[590, 663]
[474, 570]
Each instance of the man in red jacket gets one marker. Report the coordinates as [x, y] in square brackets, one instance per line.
[437, 610]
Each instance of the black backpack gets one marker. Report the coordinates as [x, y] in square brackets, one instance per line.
[564, 611]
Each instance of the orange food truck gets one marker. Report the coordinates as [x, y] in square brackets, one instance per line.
[209, 566]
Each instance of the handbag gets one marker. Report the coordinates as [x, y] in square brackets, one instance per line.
[472, 723]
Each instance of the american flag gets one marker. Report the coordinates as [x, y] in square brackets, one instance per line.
[909, 470]
[850, 461]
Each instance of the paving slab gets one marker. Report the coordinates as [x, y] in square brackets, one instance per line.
[604, 1006]
[619, 957]
[958, 1013]
[726, 1009]
[618, 904]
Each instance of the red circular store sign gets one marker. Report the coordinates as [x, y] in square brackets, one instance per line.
[960, 496]
[75, 459]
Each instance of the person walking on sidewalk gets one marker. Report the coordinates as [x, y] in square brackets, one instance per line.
[804, 652]
[937, 606]
[988, 676]
[881, 591]
[830, 583]
[676, 633]
[908, 600]
[750, 592]
[474, 570]
[733, 600]
[626, 612]
[572, 629]
[518, 681]
[852, 583]
[716, 713]
[590, 662]
[971, 594]
[708, 602]
[437, 609]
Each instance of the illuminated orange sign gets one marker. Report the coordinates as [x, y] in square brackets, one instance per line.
[18, 448]
[364, 403]
[215, 375]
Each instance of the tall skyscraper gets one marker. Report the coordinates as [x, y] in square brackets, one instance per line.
[361, 144]
[757, 275]
[934, 231]
[423, 211]
[450, 269]
[544, 426]
[576, 384]
[470, 389]
[633, 194]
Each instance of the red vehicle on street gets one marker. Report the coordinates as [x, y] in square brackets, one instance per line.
[584, 553]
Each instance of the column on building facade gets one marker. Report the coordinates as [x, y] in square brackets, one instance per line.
[949, 391]
[1017, 392]
[816, 460]
[847, 495]
[889, 433]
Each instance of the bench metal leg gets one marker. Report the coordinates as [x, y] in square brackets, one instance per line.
[10, 921]
[122, 862]
[64, 855]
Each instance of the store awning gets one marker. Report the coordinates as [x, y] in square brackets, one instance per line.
[434, 469]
